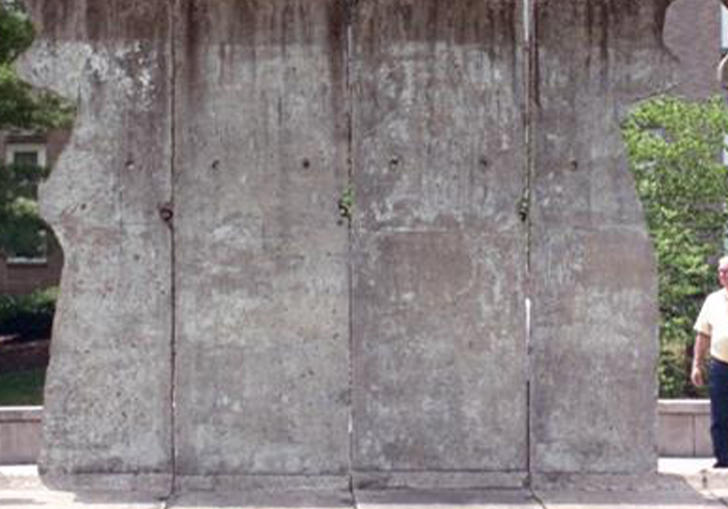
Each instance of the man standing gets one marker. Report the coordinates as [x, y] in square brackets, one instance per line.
[712, 329]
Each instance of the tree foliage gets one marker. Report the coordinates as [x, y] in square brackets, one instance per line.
[21, 106]
[22, 232]
[674, 149]
[16, 29]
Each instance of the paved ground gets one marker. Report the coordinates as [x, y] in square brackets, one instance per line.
[681, 484]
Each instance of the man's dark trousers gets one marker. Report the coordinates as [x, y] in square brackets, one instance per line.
[719, 410]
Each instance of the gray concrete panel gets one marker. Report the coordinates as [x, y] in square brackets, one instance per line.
[594, 334]
[447, 499]
[107, 399]
[439, 251]
[279, 499]
[204, 243]
[261, 278]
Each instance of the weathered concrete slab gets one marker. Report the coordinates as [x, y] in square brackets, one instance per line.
[594, 316]
[198, 204]
[284, 498]
[492, 499]
[109, 383]
[439, 358]
[261, 278]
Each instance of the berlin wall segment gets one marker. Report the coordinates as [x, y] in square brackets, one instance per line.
[219, 323]
[107, 407]
[261, 258]
[439, 350]
[594, 277]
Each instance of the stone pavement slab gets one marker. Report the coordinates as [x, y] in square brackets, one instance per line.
[672, 499]
[20, 488]
[44, 498]
[696, 472]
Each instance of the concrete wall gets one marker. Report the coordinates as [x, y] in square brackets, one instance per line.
[439, 361]
[109, 383]
[593, 276]
[486, 312]
[261, 261]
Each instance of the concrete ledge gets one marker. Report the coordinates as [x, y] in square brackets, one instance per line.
[684, 406]
[20, 434]
[684, 428]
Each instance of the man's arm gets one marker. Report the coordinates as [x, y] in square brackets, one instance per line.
[702, 345]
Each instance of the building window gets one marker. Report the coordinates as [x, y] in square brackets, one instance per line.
[26, 154]
[31, 246]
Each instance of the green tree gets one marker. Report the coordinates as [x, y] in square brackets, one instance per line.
[674, 149]
[22, 232]
[16, 29]
[20, 105]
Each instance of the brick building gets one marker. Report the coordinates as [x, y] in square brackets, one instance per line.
[20, 275]
[693, 33]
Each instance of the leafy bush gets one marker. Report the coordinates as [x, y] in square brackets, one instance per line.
[674, 149]
[28, 316]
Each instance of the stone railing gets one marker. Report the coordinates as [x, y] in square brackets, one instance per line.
[684, 427]
[683, 431]
[20, 434]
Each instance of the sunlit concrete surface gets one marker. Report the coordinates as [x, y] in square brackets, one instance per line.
[681, 484]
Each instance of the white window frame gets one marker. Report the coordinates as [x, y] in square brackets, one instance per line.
[13, 148]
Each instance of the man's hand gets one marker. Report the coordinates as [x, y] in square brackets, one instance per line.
[702, 345]
[696, 376]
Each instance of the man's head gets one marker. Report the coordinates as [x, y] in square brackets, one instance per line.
[723, 272]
